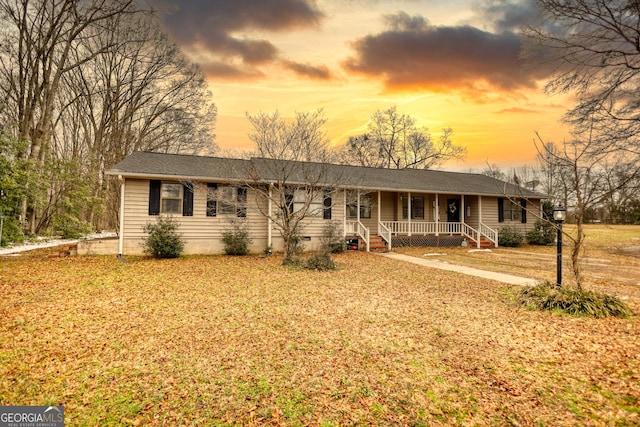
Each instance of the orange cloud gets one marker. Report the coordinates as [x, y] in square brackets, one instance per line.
[306, 70]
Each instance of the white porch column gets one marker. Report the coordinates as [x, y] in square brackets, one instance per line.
[269, 220]
[462, 212]
[409, 211]
[379, 204]
[479, 217]
[121, 231]
[358, 208]
[437, 214]
[346, 212]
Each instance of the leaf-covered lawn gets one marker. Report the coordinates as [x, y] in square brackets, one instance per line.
[245, 341]
[610, 260]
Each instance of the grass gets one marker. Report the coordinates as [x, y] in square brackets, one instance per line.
[610, 262]
[244, 341]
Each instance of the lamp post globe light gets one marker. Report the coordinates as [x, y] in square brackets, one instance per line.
[559, 215]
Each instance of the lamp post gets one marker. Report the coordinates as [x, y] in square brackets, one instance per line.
[559, 215]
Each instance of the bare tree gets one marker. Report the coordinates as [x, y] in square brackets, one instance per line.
[394, 141]
[583, 171]
[300, 138]
[140, 95]
[88, 82]
[295, 163]
[39, 46]
[590, 47]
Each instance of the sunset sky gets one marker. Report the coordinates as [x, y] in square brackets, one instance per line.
[448, 63]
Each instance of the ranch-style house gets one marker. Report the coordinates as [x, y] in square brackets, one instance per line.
[377, 209]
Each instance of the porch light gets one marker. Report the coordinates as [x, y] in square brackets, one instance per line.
[559, 216]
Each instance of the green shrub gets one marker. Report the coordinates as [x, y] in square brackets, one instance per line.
[11, 232]
[510, 237]
[321, 261]
[543, 233]
[70, 227]
[332, 240]
[163, 240]
[236, 240]
[571, 300]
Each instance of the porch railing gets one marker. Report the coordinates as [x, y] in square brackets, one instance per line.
[489, 233]
[358, 228]
[471, 233]
[385, 233]
[386, 229]
[424, 228]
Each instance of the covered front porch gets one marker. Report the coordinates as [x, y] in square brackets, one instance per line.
[417, 219]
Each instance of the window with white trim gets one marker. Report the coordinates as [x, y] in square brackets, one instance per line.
[226, 200]
[316, 205]
[171, 198]
[417, 207]
[352, 205]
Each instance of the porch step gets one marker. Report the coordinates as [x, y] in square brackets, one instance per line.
[484, 243]
[377, 244]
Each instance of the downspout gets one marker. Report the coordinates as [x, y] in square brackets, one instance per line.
[121, 233]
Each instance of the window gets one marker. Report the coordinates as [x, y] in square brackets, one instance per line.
[417, 207]
[170, 198]
[326, 204]
[226, 200]
[511, 211]
[352, 205]
[301, 197]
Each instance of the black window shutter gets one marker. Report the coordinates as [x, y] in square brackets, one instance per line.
[500, 210]
[187, 199]
[523, 204]
[326, 213]
[211, 199]
[154, 197]
[241, 211]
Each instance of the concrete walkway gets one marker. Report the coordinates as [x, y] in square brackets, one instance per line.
[500, 277]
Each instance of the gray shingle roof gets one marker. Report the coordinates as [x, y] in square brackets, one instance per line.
[160, 165]
[164, 166]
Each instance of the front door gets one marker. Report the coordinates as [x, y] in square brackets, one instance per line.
[453, 210]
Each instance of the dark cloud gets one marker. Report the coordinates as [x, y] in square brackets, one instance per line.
[402, 21]
[414, 54]
[227, 71]
[507, 15]
[214, 26]
[307, 70]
